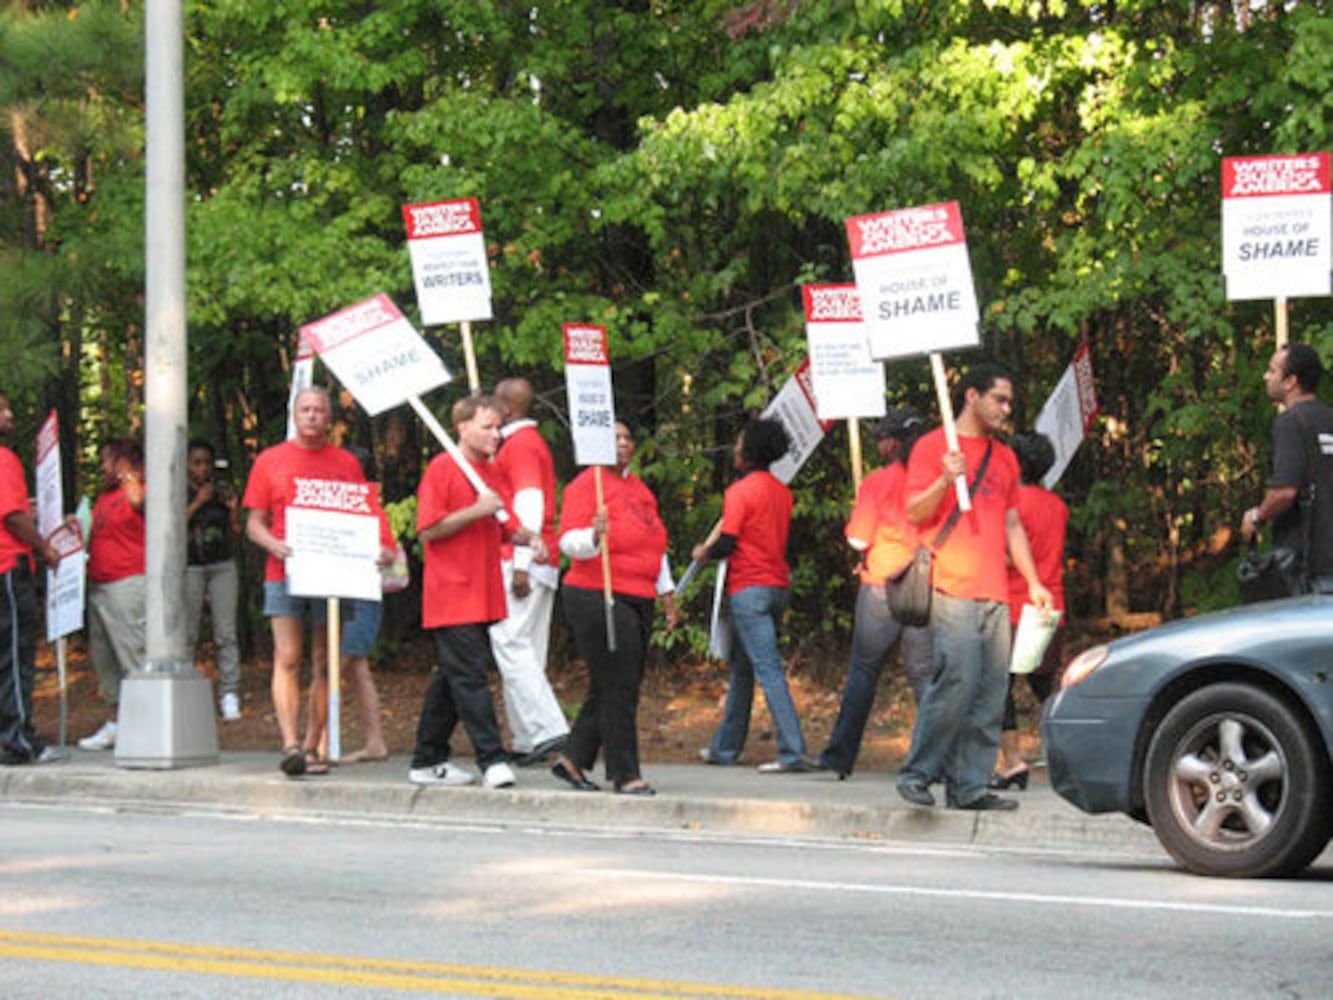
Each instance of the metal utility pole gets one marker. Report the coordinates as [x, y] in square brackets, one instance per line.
[166, 707]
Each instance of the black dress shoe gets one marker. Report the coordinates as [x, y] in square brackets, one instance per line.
[635, 790]
[985, 803]
[573, 778]
[1016, 779]
[916, 793]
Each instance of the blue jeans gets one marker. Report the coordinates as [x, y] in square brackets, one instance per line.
[873, 637]
[754, 654]
[957, 732]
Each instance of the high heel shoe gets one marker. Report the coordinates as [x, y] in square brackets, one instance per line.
[573, 778]
[1014, 779]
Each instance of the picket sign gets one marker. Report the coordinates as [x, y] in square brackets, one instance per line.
[592, 421]
[915, 280]
[1068, 413]
[848, 384]
[1277, 229]
[450, 270]
[66, 591]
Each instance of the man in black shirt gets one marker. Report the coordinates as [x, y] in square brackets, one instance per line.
[1299, 498]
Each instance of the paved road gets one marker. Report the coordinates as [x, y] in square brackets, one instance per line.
[133, 902]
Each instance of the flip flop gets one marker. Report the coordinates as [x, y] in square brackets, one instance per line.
[361, 757]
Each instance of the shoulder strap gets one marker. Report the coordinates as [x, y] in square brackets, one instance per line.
[952, 519]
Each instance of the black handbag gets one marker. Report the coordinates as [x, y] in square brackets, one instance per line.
[909, 593]
[1271, 575]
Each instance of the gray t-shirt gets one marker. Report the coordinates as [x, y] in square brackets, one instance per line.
[1291, 458]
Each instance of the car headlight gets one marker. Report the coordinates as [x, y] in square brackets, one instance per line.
[1081, 667]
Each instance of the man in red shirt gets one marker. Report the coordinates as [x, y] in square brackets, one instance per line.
[117, 615]
[957, 733]
[519, 641]
[18, 608]
[284, 476]
[462, 596]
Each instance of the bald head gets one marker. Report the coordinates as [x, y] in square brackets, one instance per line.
[514, 396]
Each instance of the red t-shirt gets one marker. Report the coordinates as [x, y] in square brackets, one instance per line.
[636, 538]
[276, 482]
[525, 462]
[461, 582]
[116, 544]
[1045, 517]
[13, 500]
[879, 522]
[972, 562]
[757, 510]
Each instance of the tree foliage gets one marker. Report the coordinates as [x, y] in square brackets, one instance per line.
[675, 170]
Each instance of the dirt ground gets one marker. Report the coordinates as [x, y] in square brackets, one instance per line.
[679, 708]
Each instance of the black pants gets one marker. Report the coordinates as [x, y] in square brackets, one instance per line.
[18, 647]
[459, 691]
[608, 720]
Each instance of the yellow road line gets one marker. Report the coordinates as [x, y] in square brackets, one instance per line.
[395, 974]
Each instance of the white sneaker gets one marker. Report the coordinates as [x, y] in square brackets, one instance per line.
[441, 774]
[103, 739]
[48, 755]
[231, 707]
[499, 775]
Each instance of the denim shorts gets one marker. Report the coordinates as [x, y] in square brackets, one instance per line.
[280, 604]
[361, 626]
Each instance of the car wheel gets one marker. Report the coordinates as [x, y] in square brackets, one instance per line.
[1235, 785]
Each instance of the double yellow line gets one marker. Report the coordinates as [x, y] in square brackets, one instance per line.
[372, 973]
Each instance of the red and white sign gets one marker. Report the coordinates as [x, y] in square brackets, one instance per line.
[333, 529]
[376, 353]
[847, 382]
[50, 493]
[449, 265]
[1069, 412]
[1277, 226]
[915, 280]
[592, 409]
[794, 408]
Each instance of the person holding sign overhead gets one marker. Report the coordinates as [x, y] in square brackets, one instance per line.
[957, 732]
[462, 596]
[756, 517]
[631, 529]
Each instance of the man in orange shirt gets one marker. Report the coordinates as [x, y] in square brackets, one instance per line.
[462, 596]
[957, 733]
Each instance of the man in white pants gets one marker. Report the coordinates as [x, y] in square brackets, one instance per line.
[519, 642]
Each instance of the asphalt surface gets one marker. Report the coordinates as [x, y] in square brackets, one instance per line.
[693, 798]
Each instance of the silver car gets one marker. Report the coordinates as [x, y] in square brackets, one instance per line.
[1217, 730]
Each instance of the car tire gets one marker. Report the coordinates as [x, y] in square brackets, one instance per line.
[1236, 785]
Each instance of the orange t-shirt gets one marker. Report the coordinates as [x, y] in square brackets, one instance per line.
[13, 500]
[1045, 517]
[879, 522]
[972, 563]
[116, 542]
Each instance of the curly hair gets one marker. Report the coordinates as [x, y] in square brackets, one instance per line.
[763, 442]
[1035, 454]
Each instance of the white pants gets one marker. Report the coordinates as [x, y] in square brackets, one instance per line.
[519, 644]
[117, 625]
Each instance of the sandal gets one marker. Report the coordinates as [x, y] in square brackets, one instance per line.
[293, 762]
[314, 763]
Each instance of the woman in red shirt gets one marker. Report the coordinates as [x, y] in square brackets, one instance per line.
[1045, 517]
[629, 526]
[756, 516]
[117, 617]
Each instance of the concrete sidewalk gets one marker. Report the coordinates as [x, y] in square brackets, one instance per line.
[693, 798]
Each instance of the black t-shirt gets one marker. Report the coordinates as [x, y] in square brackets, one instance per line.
[210, 534]
[1303, 432]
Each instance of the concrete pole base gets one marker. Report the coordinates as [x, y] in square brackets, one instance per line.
[167, 720]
